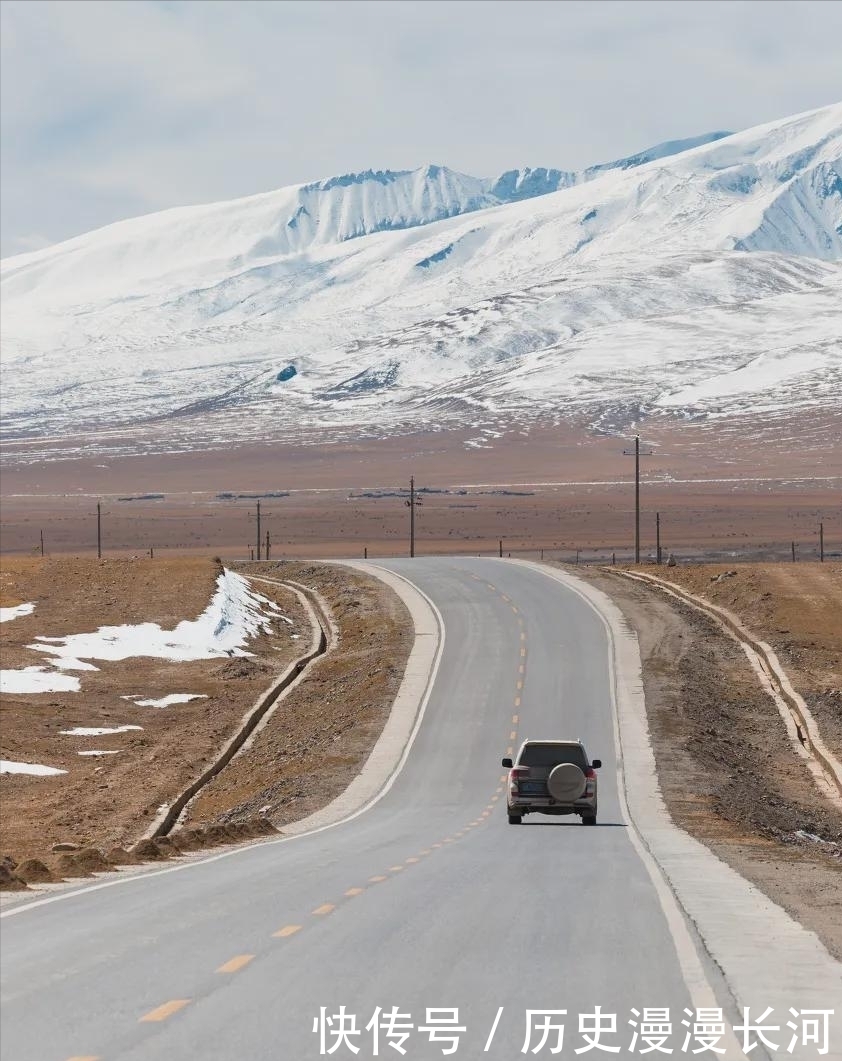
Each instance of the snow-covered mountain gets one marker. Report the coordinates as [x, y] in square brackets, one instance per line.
[698, 278]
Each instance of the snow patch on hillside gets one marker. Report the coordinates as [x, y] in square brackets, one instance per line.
[235, 615]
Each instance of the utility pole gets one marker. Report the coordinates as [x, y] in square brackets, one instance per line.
[267, 545]
[258, 529]
[500, 553]
[99, 530]
[637, 455]
[365, 553]
[793, 552]
[821, 543]
[658, 537]
[412, 503]
[42, 543]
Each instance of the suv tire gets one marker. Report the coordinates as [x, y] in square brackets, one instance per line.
[515, 819]
[588, 819]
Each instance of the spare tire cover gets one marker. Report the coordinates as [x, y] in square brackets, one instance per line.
[566, 782]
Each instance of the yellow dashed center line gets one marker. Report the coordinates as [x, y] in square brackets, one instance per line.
[325, 908]
[351, 892]
[426, 851]
[377, 880]
[512, 735]
[517, 703]
[395, 869]
[509, 752]
[515, 718]
[522, 636]
[287, 930]
[413, 859]
[499, 790]
[167, 1010]
[523, 652]
[235, 964]
[85, 1057]
[494, 798]
[519, 684]
[521, 669]
[435, 845]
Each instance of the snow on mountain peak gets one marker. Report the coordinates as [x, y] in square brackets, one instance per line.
[695, 275]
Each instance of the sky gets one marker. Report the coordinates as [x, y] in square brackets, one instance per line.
[110, 110]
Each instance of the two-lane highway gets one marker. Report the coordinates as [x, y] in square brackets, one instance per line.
[428, 899]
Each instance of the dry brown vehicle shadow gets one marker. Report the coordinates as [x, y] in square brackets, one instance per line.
[85, 820]
[726, 766]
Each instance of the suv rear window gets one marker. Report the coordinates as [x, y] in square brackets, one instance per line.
[552, 755]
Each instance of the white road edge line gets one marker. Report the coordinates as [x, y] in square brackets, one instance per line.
[380, 770]
[750, 938]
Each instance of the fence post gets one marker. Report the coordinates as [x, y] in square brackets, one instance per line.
[793, 552]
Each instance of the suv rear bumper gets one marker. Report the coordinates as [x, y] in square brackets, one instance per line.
[551, 806]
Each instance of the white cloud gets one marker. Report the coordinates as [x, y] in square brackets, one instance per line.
[110, 110]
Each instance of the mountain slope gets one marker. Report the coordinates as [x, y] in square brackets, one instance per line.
[705, 282]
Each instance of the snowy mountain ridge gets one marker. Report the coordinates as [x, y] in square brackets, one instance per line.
[698, 278]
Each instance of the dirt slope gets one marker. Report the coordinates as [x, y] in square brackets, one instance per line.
[725, 765]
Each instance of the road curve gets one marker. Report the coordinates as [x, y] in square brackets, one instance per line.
[428, 899]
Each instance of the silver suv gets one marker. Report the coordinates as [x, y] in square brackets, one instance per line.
[553, 777]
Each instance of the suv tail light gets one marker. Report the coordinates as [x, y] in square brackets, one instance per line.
[590, 773]
[516, 773]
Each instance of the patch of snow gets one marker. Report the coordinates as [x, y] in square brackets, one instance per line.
[73, 664]
[37, 680]
[234, 616]
[173, 698]
[97, 751]
[9, 767]
[7, 614]
[96, 731]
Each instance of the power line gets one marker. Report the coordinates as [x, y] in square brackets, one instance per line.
[637, 455]
[413, 503]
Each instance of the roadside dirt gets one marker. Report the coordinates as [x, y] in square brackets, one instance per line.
[315, 743]
[91, 818]
[725, 765]
[108, 800]
[797, 609]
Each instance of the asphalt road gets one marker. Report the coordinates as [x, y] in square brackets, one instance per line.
[427, 900]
